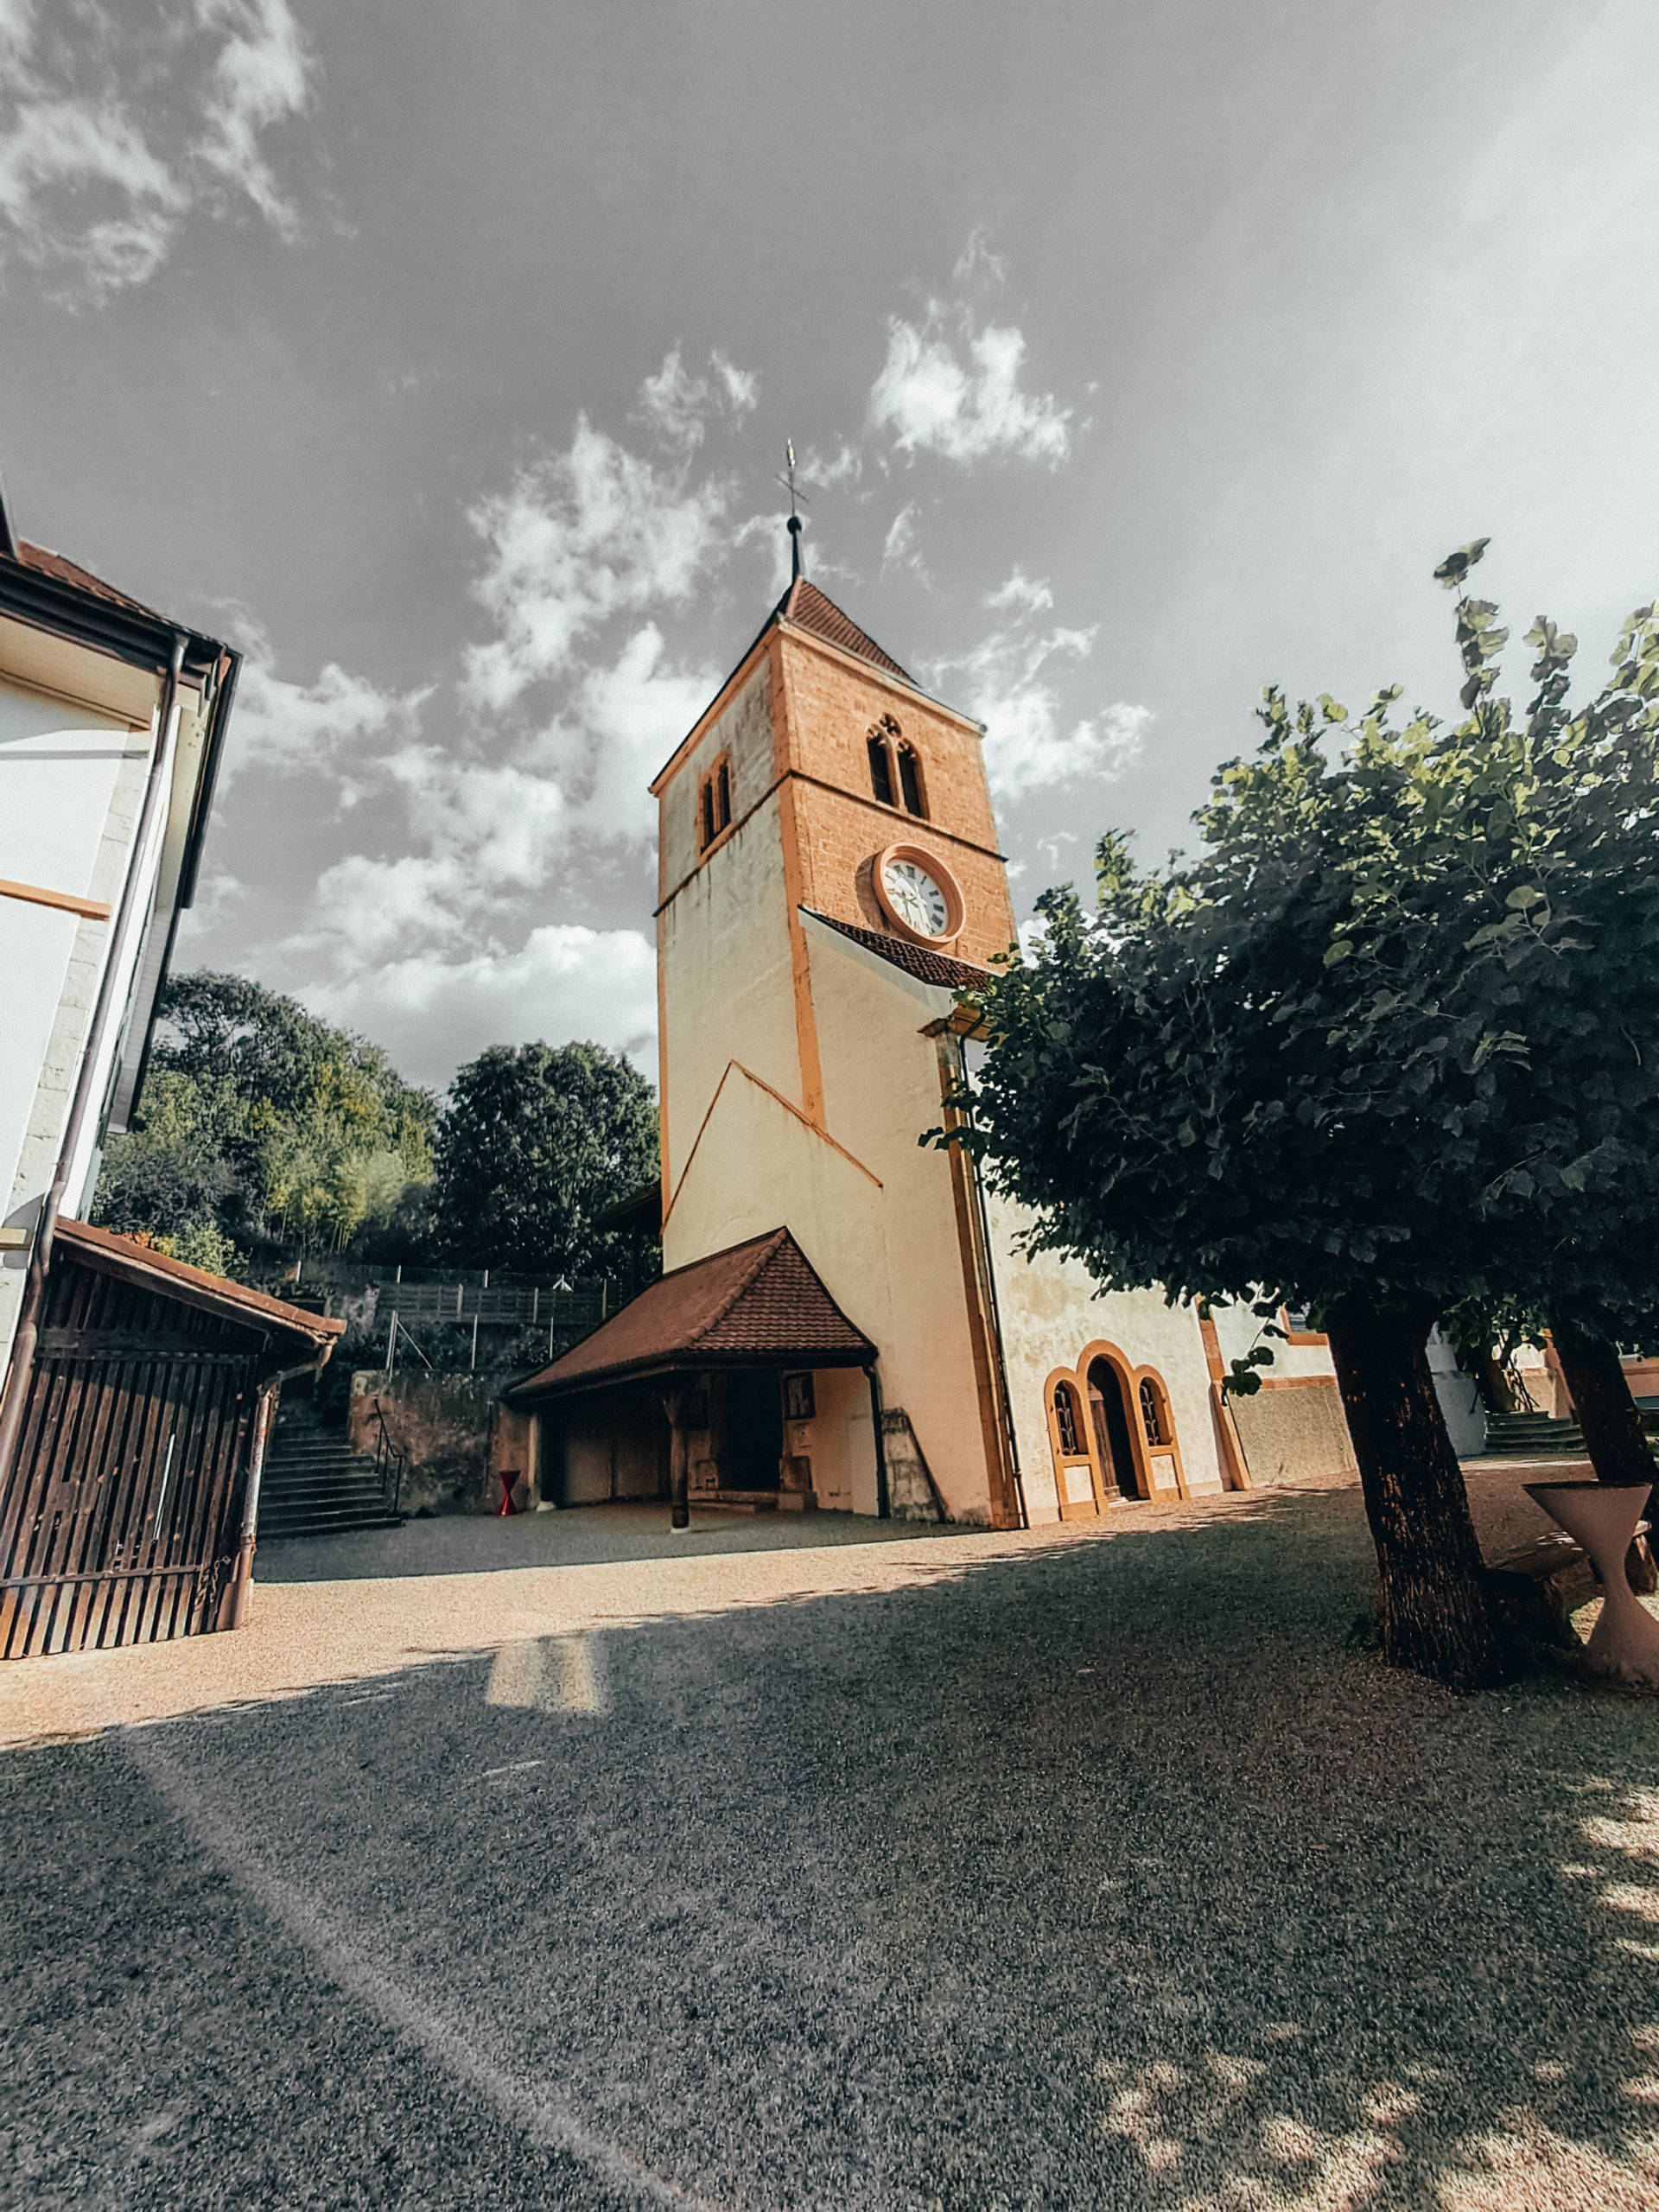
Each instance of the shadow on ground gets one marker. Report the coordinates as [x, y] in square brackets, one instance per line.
[585, 1535]
[1105, 1875]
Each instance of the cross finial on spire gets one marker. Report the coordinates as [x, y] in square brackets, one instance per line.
[794, 524]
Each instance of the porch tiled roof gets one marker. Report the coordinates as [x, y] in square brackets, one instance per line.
[759, 1304]
[918, 960]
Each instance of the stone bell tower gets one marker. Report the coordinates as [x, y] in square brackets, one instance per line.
[823, 780]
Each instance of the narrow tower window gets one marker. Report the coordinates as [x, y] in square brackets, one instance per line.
[880, 767]
[714, 802]
[910, 781]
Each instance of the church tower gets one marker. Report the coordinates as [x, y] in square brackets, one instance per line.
[847, 1319]
[821, 781]
[829, 878]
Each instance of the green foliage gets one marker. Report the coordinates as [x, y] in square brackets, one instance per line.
[1394, 1033]
[262, 1122]
[201, 1246]
[537, 1143]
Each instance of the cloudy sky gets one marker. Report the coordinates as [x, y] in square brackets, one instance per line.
[441, 353]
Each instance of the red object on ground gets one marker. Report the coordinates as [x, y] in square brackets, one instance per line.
[509, 1476]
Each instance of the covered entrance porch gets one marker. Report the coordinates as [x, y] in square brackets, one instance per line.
[735, 1383]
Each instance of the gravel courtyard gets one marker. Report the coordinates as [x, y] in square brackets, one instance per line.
[958, 1872]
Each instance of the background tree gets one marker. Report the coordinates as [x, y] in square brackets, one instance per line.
[260, 1124]
[537, 1141]
[1359, 1056]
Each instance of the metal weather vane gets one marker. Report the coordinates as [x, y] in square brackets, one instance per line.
[796, 499]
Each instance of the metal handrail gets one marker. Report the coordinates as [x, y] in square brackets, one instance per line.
[386, 1455]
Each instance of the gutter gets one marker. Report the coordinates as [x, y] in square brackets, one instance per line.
[185, 891]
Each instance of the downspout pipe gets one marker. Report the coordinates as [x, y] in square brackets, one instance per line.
[236, 1611]
[40, 1258]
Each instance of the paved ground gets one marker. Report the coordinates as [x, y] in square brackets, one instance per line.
[594, 1536]
[1042, 1871]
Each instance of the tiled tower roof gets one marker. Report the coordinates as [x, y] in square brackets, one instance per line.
[809, 609]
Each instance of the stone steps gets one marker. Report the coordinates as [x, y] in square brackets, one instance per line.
[1517, 1436]
[316, 1486]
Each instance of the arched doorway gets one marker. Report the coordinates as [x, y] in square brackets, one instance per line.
[1109, 1412]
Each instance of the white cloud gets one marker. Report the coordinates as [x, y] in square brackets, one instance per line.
[218, 892]
[845, 465]
[625, 718]
[84, 195]
[1007, 681]
[587, 534]
[977, 263]
[679, 405]
[80, 186]
[261, 78]
[1021, 593]
[566, 714]
[565, 981]
[901, 551]
[741, 386]
[948, 388]
[286, 728]
[366, 911]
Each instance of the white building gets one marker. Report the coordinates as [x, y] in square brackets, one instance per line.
[112, 721]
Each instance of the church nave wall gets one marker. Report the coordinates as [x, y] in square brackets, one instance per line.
[1050, 1314]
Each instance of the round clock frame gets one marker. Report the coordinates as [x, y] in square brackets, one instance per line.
[931, 865]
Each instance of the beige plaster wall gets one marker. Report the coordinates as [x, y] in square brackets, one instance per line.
[727, 981]
[839, 1440]
[758, 1166]
[1237, 1329]
[745, 731]
[1051, 1312]
[881, 1091]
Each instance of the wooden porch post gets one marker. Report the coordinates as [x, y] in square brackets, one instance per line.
[679, 1458]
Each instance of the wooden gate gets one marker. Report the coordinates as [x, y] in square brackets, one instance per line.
[122, 1510]
[122, 1514]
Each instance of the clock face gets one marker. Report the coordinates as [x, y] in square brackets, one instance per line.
[915, 898]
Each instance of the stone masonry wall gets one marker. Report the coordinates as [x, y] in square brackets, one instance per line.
[454, 1431]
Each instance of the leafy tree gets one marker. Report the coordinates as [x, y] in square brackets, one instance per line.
[1388, 1046]
[537, 1143]
[262, 1120]
[172, 1177]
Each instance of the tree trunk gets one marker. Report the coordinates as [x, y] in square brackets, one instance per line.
[1613, 1435]
[1437, 1612]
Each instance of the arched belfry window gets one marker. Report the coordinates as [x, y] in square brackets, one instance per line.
[896, 769]
[880, 767]
[910, 781]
